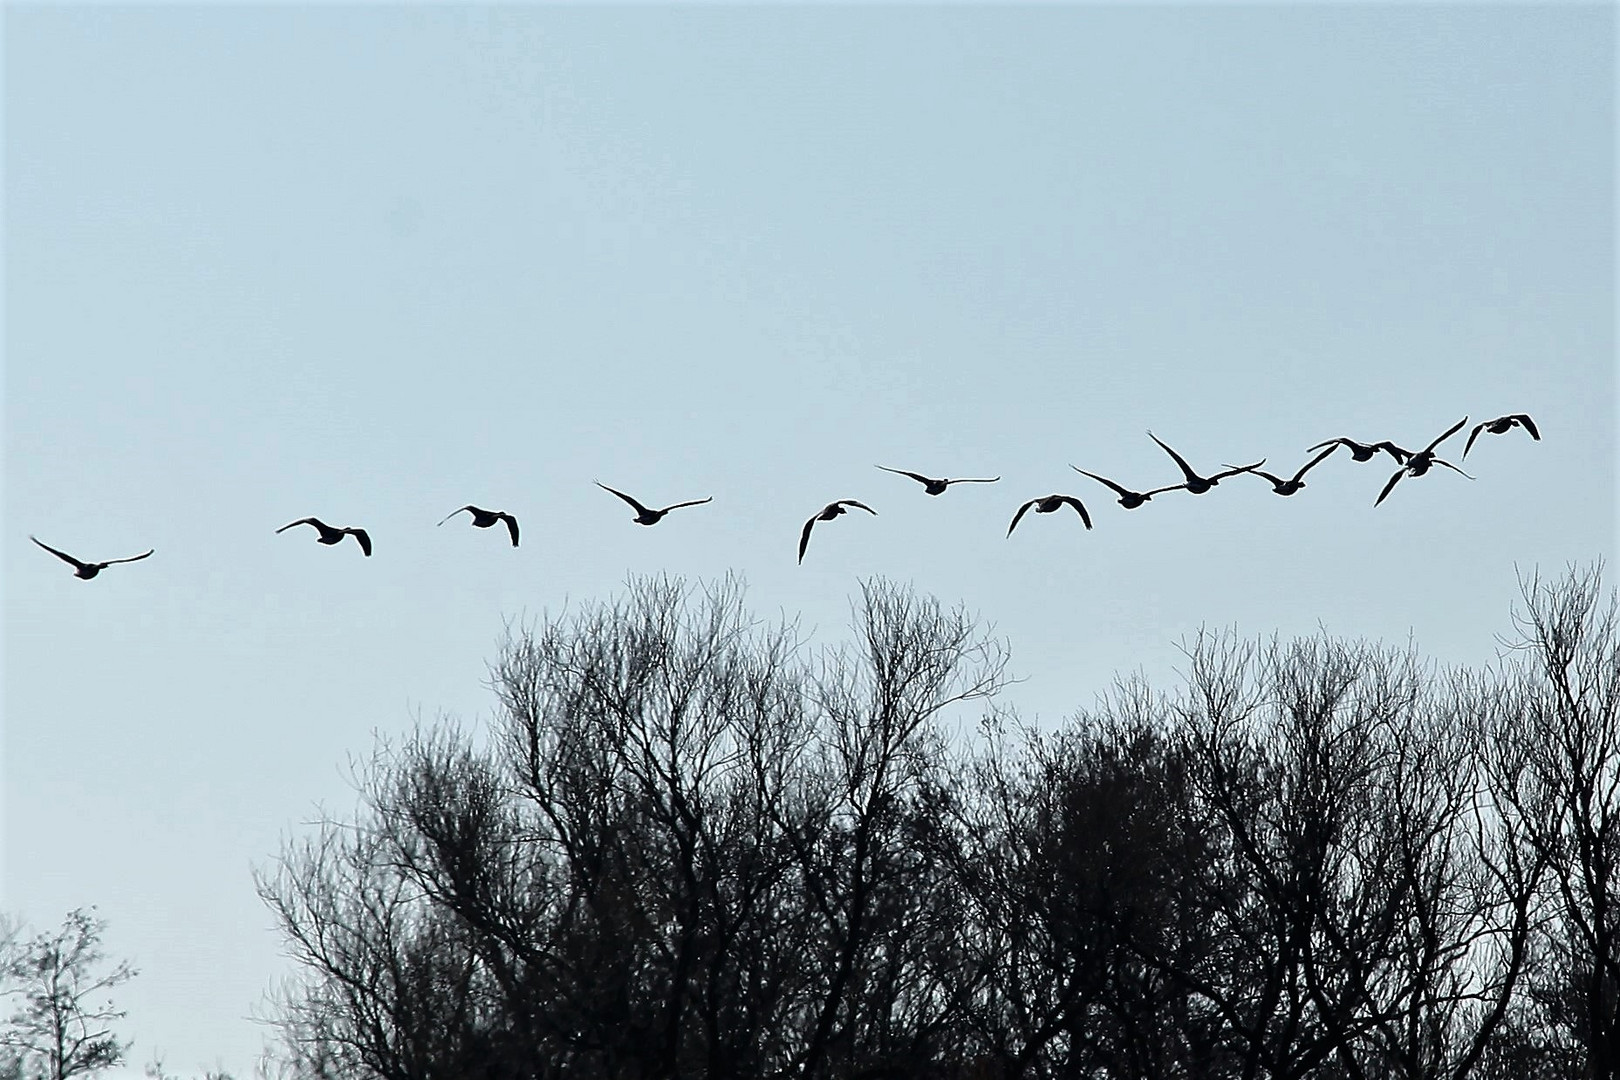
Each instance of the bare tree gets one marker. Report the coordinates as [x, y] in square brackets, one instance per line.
[1556, 775]
[61, 1026]
[690, 846]
[689, 850]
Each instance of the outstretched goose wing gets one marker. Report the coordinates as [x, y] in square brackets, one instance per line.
[511, 526]
[64, 556]
[857, 502]
[1529, 425]
[804, 537]
[639, 508]
[1079, 507]
[919, 477]
[365, 540]
[1311, 464]
[1181, 461]
[1448, 433]
[1233, 470]
[132, 558]
[1021, 511]
[1122, 491]
[1391, 485]
[470, 508]
[694, 502]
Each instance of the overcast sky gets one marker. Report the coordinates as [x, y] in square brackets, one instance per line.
[373, 263]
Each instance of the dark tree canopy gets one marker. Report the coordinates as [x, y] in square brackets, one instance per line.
[689, 845]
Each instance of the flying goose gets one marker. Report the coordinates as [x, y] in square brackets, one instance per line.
[1420, 462]
[483, 519]
[646, 516]
[1501, 426]
[1129, 499]
[1288, 487]
[1047, 505]
[1365, 451]
[937, 487]
[330, 535]
[1196, 484]
[827, 513]
[86, 570]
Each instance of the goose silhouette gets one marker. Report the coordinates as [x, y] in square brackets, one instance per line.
[1365, 451]
[1297, 481]
[1049, 503]
[483, 519]
[646, 515]
[1501, 426]
[827, 513]
[87, 570]
[330, 535]
[937, 487]
[1422, 461]
[1196, 484]
[1129, 499]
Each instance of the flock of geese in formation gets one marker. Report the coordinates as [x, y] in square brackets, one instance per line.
[1412, 463]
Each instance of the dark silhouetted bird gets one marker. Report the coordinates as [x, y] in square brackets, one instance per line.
[827, 513]
[1420, 462]
[1288, 487]
[1200, 484]
[1047, 505]
[86, 570]
[933, 486]
[1365, 451]
[483, 519]
[646, 516]
[1129, 499]
[1501, 426]
[329, 535]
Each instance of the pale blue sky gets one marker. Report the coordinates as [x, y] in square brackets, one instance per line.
[373, 263]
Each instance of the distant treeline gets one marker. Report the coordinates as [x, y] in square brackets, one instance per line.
[691, 846]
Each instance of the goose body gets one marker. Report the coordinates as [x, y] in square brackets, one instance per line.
[1365, 451]
[332, 535]
[1501, 426]
[827, 513]
[483, 519]
[646, 515]
[1196, 484]
[1422, 461]
[933, 486]
[1049, 504]
[87, 570]
[1129, 499]
[1297, 481]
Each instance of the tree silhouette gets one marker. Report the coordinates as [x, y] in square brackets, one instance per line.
[60, 1027]
[690, 845]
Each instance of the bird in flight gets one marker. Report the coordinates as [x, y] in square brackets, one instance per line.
[1288, 487]
[1501, 426]
[937, 487]
[86, 570]
[330, 535]
[646, 516]
[1047, 505]
[1200, 484]
[827, 513]
[1129, 499]
[1420, 462]
[483, 519]
[1365, 451]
